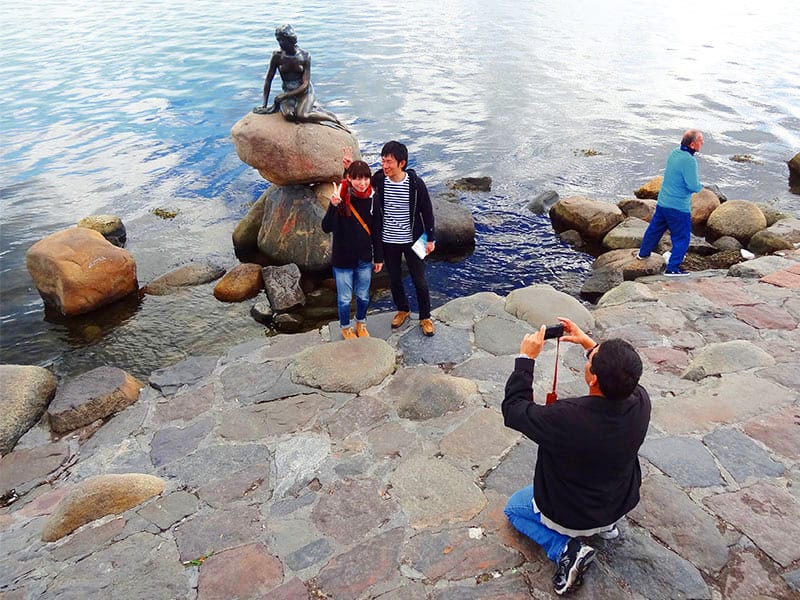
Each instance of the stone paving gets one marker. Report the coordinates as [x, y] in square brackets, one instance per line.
[298, 467]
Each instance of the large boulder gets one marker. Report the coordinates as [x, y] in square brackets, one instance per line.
[93, 395]
[772, 213]
[290, 229]
[782, 235]
[541, 304]
[97, 497]
[282, 285]
[245, 234]
[543, 202]
[627, 234]
[27, 390]
[109, 226]
[240, 283]
[794, 171]
[455, 228]
[641, 208]
[704, 203]
[287, 153]
[591, 218]
[650, 189]
[195, 273]
[77, 271]
[740, 219]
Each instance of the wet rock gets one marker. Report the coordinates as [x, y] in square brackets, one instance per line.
[240, 283]
[109, 226]
[248, 571]
[704, 203]
[737, 218]
[782, 235]
[639, 208]
[685, 460]
[541, 304]
[290, 230]
[543, 202]
[591, 218]
[767, 514]
[670, 514]
[94, 395]
[245, 234]
[650, 189]
[727, 242]
[426, 393]
[778, 431]
[298, 461]
[449, 345]
[479, 442]
[164, 512]
[27, 391]
[185, 373]
[351, 509]
[727, 357]
[99, 496]
[432, 492]
[369, 361]
[500, 336]
[77, 271]
[287, 323]
[185, 276]
[24, 469]
[794, 170]
[287, 153]
[207, 533]
[627, 234]
[572, 238]
[283, 287]
[470, 184]
[741, 456]
[772, 214]
[262, 312]
[652, 570]
[455, 228]
[352, 573]
[600, 282]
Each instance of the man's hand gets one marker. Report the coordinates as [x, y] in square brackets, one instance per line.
[377, 267]
[532, 343]
[429, 247]
[347, 156]
[575, 335]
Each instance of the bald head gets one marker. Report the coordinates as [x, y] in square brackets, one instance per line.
[692, 138]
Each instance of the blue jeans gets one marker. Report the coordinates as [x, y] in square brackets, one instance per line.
[347, 280]
[520, 513]
[679, 224]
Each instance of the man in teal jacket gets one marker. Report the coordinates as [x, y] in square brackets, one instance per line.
[674, 208]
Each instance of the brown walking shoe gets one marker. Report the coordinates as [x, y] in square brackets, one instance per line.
[400, 318]
[348, 333]
[361, 330]
[427, 327]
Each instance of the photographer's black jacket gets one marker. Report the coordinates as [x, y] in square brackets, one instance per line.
[587, 472]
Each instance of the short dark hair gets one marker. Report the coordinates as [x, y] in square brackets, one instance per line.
[358, 169]
[618, 368]
[397, 151]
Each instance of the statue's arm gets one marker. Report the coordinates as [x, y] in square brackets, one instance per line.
[273, 66]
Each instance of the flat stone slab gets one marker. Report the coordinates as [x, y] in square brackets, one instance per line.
[358, 415]
[172, 443]
[432, 492]
[270, 381]
[26, 468]
[187, 372]
[424, 393]
[298, 460]
[479, 442]
[759, 267]
[248, 571]
[168, 510]
[309, 555]
[450, 345]
[515, 471]
[500, 336]
[673, 517]
[747, 578]
[184, 406]
[351, 509]
[741, 456]
[767, 514]
[463, 312]
[764, 316]
[778, 431]
[216, 463]
[686, 460]
[368, 361]
[729, 399]
[207, 533]
[260, 421]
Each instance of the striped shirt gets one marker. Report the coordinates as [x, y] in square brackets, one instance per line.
[396, 212]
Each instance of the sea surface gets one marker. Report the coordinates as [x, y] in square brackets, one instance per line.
[125, 107]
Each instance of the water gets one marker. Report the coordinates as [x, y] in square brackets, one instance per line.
[124, 107]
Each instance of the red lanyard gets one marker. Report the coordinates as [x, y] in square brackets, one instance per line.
[553, 396]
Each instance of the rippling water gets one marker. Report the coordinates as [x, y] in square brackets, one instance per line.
[124, 107]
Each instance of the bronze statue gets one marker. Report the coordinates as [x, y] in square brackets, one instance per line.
[297, 102]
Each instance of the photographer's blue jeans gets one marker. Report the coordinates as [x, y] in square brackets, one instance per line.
[348, 281]
[679, 224]
[520, 513]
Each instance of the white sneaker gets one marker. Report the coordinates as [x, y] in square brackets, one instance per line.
[666, 256]
[611, 534]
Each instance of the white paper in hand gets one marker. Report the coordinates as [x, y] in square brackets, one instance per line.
[420, 246]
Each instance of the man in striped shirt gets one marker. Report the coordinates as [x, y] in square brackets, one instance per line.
[402, 200]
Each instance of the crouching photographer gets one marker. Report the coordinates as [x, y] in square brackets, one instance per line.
[587, 473]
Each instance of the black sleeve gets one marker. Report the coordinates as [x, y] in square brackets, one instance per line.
[330, 219]
[377, 231]
[520, 412]
[426, 209]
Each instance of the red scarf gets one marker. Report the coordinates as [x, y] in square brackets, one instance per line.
[344, 194]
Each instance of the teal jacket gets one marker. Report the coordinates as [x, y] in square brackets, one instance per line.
[681, 180]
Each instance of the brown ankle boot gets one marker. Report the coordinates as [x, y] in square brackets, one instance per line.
[361, 330]
[348, 333]
[400, 318]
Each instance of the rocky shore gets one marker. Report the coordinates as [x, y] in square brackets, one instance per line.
[299, 467]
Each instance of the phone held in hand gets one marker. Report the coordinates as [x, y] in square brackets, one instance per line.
[553, 331]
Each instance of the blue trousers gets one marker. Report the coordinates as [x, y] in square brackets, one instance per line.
[348, 281]
[679, 224]
[520, 513]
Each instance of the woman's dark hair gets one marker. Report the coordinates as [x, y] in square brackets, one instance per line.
[358, 169]
[618, 368]
[396, 150]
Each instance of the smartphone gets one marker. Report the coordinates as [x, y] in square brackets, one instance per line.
[554, 331]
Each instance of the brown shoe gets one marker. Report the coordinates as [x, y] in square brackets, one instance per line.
[427, 327]
[348, 333]
[400, 318]
[361, 329]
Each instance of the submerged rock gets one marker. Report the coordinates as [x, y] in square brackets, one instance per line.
[470, 184]
[109, 226]
[185, 276]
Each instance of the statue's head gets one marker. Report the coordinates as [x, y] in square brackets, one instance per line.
[285, 34]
